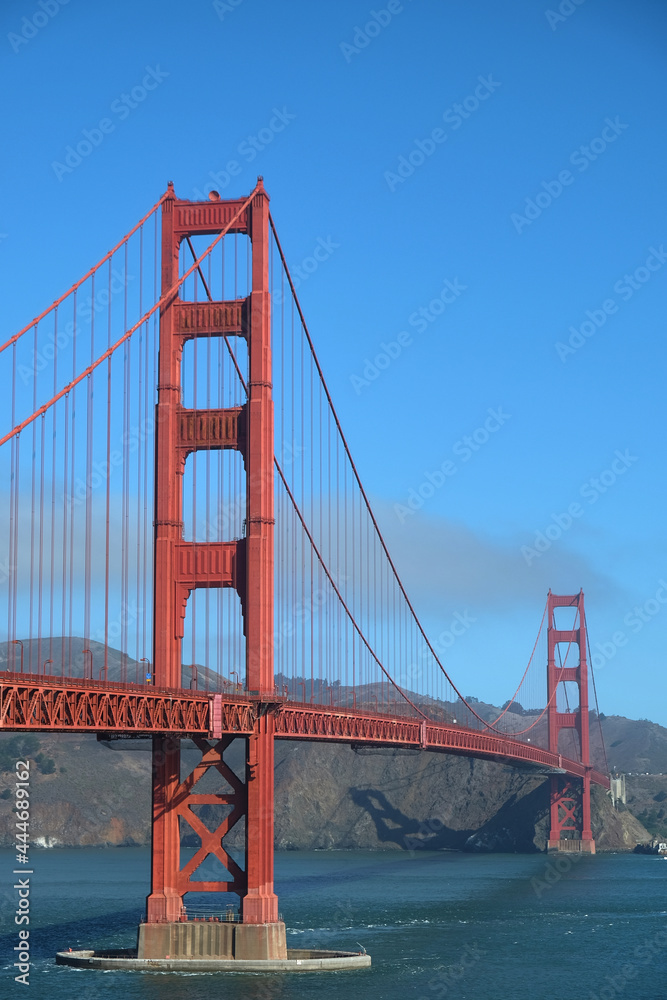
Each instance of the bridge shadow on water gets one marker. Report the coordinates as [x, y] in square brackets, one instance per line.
[108, 930]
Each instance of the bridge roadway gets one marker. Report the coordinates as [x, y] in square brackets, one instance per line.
[44, 703]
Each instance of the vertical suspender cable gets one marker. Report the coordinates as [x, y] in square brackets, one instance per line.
[207, 530]
[12, 561]
[124, 588]
[141, 438]
[53, 489]
[41, 542]
[32, 504]
[193, 594]
[63, 627]
[89, 470]
[71, 495]
[14, 569]
[107, 519]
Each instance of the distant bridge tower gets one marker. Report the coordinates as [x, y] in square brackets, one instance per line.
[247, 565]
[570, 801]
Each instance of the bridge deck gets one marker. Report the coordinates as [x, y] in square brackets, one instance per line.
[53, 704]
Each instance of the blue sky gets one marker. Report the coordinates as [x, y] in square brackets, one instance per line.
[518, 154]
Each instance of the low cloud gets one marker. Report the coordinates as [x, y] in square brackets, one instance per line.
[445, 563]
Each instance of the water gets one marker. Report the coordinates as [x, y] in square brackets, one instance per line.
[522, 929]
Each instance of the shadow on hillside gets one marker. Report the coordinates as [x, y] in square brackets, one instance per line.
[511, 829]
[394, 827]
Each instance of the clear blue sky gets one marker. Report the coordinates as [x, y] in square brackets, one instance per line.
[540, 198]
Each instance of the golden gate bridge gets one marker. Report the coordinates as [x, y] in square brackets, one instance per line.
[178, 488]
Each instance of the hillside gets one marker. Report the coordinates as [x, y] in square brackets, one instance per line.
[327, 796]
[635, 747]
[647, 800]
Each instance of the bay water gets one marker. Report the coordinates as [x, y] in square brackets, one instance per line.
[437, 924]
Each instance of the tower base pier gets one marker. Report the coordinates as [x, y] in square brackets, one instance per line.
[571, 846]
[208, 939]
[214, 946]
[296, 960]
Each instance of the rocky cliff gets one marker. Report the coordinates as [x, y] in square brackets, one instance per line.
[327, 796]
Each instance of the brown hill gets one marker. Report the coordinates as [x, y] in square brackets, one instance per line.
[327, 796]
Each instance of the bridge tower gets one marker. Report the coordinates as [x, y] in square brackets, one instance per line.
[247, 565]
[570, 801]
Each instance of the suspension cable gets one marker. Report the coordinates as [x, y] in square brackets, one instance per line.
[163, 300]
[77, 284]
[360, 485]
[307, 531]
[597, 707]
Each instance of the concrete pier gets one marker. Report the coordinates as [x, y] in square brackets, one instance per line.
[214, 946]
[571, 846]
[301, 960]
[207, 939]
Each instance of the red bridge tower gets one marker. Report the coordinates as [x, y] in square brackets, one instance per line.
[246, 565]
[570, 805]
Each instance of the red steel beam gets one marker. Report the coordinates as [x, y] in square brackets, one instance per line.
[307, 722]
[56, 705]
[30, 702]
